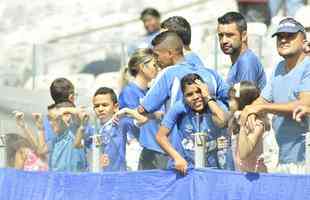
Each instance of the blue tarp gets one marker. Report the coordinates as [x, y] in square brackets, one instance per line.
[201, 184]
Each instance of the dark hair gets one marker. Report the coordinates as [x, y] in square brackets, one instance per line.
[60, 90]
[149, 11]
[249, 92]
[189, 79]
[172, 38]
[13, 143]
[179, 25]
[140, 56]
[234, 17]
[106, 90]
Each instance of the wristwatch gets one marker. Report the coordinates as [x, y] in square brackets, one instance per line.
[209, 98]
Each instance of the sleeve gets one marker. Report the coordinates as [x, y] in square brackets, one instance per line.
[222, 89]
[128, 99]
[158, 93]
[304, 85]
[170, 118]
[267, 91]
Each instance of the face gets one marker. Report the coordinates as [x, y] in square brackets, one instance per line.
[193, 98]
[150, 69]
[230, 38]
[163, 56]
[289, 44]
[151, 24]
[104, 107]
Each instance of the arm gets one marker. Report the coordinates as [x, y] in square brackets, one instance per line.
[163, 141]
[42, 148]
[83, 121]
[248, 141]
[20, 121]
[218, 115]
[157, 94]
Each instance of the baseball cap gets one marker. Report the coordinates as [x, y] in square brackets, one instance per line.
[289, 25]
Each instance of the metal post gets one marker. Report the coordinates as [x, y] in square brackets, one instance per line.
[215, 53]
[96, 147]
[3, 158]
[34, 66]
[200, 142]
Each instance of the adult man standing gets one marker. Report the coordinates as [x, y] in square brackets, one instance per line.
[288, 87]
[232, 33]
[151, 21]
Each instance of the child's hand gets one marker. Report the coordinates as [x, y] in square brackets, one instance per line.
[181, 165]
[104, 160]
[306, 47]
[83, 118]
[20, 119]
[203, 88]
[38, 120]
[300, 112]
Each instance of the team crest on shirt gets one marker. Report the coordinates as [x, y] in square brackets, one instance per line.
[189, 129]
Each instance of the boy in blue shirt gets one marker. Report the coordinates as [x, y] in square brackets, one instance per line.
[113, 136]
[197, 112]
[64, 155]
[182, 27]
[165, 91]
[232, 33]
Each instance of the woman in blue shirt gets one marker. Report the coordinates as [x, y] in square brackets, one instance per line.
[143, 67]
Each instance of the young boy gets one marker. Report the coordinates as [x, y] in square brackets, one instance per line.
[113, 136]
[63, 152]
[198, 112]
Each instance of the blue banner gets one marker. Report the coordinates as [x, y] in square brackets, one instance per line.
[202, 184]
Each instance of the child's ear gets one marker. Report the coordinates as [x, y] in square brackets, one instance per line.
[116, 107]
[71, 98]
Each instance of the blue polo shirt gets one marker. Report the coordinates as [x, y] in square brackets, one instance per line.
[166, 89]
[247, 68]
[130, 97]
[285, 87]
[181, 116]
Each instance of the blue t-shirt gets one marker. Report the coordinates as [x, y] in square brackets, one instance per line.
[63, 156]
[193, 59]
[144, 42]
[185, 119]
[131, 97]
[247, 68]
[113, 143]
[48, 131]
[284, 87]
[166, 89]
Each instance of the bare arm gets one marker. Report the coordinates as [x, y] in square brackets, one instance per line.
[247, 142]
[163, 141]
[42, 149]
[83, 120]
[218, 115]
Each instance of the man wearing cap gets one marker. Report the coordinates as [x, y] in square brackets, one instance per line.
[288, 87]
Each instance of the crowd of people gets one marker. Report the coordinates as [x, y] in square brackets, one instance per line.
[172, 104]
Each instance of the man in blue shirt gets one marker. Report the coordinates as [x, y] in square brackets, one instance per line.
[165, 91]
[198, 112]
[151, 21]
[232, 33]
[288, 87]
[182, 27]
